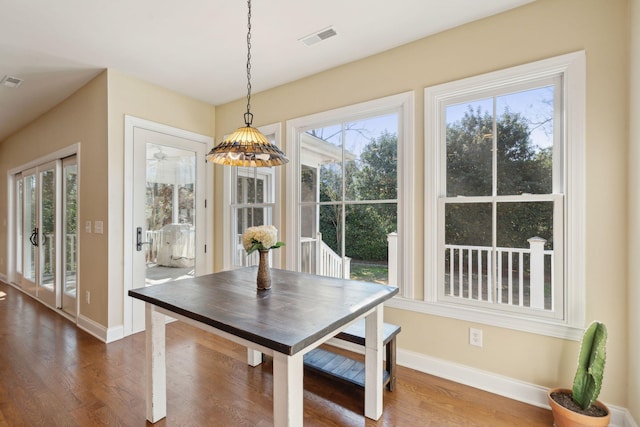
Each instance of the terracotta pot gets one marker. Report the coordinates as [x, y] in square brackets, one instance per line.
[564, 417]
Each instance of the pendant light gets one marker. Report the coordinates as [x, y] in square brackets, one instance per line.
[247, 146]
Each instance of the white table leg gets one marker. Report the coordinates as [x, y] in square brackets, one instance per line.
[155, 368]
[254, 357]
[287, 390]
[373, 364]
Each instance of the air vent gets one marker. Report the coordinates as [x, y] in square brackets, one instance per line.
[10, 81]
[318, 36]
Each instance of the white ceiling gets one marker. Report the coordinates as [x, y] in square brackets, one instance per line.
[198, 47]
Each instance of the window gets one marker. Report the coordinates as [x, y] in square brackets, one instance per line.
[505, 196]
[350, 172]
[250, 197]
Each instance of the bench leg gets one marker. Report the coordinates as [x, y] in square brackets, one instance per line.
[391, 363]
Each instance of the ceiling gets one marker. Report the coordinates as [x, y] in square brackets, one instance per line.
[198, 47]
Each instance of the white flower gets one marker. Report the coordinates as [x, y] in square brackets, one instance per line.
[263, 237]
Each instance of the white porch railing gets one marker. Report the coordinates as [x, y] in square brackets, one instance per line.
[318, 258]
[517, 276]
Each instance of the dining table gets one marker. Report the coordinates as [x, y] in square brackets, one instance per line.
[296, 315]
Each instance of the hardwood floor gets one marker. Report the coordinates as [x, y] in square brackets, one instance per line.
[54, 374]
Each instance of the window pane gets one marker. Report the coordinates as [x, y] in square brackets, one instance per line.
[371, 158]
[519, 222]
[468, 224]
[245, 218]
[517, 270]
[321, 150]
[467, 252]
[366, 243]
[525, 141]
[325, 247]
[70, 228]
[48, 255]
[186, 204]
[159, 205]
[469, 139]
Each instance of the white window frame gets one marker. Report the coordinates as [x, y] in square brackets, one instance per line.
[402, 103]
[571, 68]
[229, 221]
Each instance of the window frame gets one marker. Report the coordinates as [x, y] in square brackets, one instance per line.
[571, 68]
[229, 190]
[402, 103]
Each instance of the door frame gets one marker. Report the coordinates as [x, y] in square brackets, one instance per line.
[130, 123]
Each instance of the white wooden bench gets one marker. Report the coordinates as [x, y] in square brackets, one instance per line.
[333, 365]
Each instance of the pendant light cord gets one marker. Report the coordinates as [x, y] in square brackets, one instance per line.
[248, 117]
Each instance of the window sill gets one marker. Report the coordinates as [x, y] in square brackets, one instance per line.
[502, 320]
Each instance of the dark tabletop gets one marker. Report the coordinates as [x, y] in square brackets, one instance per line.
[298, 309]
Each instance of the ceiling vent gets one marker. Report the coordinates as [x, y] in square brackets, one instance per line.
[318, 36]
[10, 81]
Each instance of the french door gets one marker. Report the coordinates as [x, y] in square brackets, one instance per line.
[45, 239]
[168, 211]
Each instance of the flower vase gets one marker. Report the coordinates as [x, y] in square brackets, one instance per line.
[264, 276]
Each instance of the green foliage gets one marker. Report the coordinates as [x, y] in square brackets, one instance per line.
[588, 379]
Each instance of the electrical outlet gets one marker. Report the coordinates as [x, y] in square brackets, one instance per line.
[87, 297]
[475, 337]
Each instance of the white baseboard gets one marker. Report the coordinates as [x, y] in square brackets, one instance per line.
[105, 335]
[521, 391]
[94, 328]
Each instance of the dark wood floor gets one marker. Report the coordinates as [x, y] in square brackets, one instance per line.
[53, 374]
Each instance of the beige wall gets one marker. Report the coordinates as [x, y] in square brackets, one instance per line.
[539, 30]
[634, 213]
[82, 118]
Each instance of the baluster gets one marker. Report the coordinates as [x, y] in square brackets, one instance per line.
[470, 272]
[521, 279]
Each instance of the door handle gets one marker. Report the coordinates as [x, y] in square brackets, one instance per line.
[34, 237]
[139, 241]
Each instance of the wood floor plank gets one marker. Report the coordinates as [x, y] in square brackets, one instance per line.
[54, 374]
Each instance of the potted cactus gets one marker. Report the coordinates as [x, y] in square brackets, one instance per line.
[578, 406]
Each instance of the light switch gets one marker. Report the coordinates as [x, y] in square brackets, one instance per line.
[87, 227]
[97, 227]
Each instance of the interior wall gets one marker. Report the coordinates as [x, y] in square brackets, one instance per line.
[539, 30]
[81, 118]
[134, 97]
[634, 211]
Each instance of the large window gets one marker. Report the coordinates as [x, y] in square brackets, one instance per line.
[349, 181]
[504, 196]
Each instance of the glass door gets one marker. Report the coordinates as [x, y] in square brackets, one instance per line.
[168, 211]
[70, 235]
[37, 213]
[46, 240]
[30, 232]
[19, 203]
